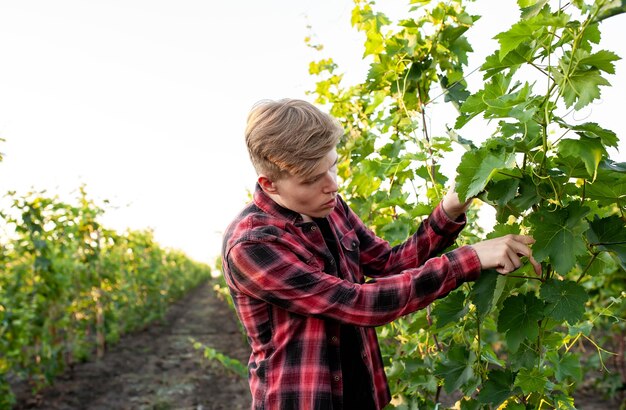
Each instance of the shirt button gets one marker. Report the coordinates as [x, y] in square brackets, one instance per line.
[336, 378]
[313, 228]
[332, 262]
[353, 244]
[333, 339]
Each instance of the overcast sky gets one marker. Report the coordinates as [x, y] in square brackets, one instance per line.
[145, 101]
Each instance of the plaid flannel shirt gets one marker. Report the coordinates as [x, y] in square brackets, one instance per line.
[287, 295]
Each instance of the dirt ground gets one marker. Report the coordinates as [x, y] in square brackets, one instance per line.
[158, 367]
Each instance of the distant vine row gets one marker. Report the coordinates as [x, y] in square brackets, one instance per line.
[69, 286]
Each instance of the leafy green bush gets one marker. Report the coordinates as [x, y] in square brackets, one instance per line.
[69, 286]
[504, 340]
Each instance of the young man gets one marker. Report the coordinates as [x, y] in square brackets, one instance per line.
[296, 258]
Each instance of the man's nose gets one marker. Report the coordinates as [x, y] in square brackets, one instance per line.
[331, 184]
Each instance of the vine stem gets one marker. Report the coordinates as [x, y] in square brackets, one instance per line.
[542, 323]
[479, 352]
[521, 277]
[608, 243]
[584, 272]
[429, 167]
[582, 199]
[437, 345]
[509, 175]
[547, 74]
[430, 323]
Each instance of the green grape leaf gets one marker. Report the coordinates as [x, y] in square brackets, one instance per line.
[364, 185]
[579, 87]
[392, 149]
[602, 264]
[526, 357]
[511, 405]
[589, 150]
[504, 229]
[501, 192]
[610, 9]
[527, 196]
[459, 47]
[487, 291]
[477, 168]
[491, 357]
[565, 300]
[531, 381]
[527, 3]
[396, 231]
[497, 388]
[609, 165]
[470, 404]
[496, 100]
[602, 60]
[519, 317]
[564, 402]
[516, 104]
[566, 366]
[379, 72]
[497, 88]
[607, 189]
[573, 167]
[530, 8]
[464, 142]
[509, 40]
[609, 234]
[457, 369]
[369, 22]
[558, 235]
[593, 130]
[493, 64]
[419, 2]
[425, 173]
[580, 327]
[450, 309]
[591, 35]
[456, 91]
[476, 103]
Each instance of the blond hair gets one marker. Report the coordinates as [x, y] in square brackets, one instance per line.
[289, 137]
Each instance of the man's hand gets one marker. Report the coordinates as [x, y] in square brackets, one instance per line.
[503, 253]
[452, 205]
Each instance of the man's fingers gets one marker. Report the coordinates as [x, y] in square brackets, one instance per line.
[514, 260]
[525, 239]
[519, 246]
[536, 265]
[526, 251]
[503, 254]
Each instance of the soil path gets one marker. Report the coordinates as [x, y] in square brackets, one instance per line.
[158, 367]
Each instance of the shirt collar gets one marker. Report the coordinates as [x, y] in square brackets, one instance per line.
[268, 205]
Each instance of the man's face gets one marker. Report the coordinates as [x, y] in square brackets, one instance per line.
[313, 196]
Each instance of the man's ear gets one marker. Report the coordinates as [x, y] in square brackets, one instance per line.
[267, 184]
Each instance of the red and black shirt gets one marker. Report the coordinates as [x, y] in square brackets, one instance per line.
[292, 300]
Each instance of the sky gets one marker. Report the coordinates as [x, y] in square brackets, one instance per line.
[145, 101]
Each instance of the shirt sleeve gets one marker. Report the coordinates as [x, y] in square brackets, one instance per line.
[433, 236]
[269, 270]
